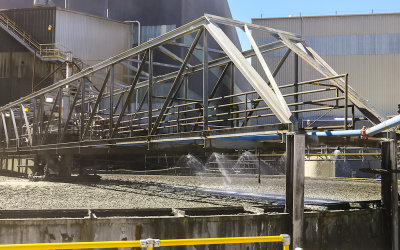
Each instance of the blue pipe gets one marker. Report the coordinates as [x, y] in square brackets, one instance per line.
[336, 133]
[393, 122]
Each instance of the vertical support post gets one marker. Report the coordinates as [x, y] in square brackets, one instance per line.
[296, 86]
[28, 131]
[389, 189]
[33, 71]
[232, 91]
[41, 113]
[111, 101]
[3, 118]
[178, 124]
[298, 190]
[245, 108]
[337, 95]
[346, 101]
[295, 146]
[185, 91]
[150, 92]
[83, 89]
[289, 175]
[353, 117]
[60, 113]
[35, 121]
[205, 80]
[15, 128]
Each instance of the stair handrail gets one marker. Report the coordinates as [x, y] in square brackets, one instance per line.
[50, 50]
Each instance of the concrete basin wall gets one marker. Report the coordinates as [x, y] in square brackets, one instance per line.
[358, 229]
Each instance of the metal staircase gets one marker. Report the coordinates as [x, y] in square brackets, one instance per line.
[46, 52]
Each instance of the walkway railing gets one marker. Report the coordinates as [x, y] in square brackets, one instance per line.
[52, 50]
[153, 243]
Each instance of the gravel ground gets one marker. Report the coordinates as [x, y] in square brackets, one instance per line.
[141, 191]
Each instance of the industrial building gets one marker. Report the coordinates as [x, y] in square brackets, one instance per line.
[365, 46]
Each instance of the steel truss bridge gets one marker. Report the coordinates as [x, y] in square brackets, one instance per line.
[145, 106]
[132, 110]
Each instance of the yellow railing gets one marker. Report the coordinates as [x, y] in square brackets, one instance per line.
[153, 243]
[51, 50]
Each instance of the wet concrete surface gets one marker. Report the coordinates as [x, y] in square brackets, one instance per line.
[154, 191]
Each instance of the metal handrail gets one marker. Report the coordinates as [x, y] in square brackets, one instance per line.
[51, 50]
[153, 243]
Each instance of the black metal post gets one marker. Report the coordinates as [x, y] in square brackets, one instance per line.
[295, 153]
[389, 191]
[289, 174]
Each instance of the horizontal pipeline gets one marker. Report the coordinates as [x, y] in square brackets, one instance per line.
[150, 243]
[393, 122]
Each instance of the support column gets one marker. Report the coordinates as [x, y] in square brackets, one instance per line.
[295, 153]
[66, 99]
[205, 81]
[83, 107]
[35, 121]
[150, 92]
[111, 100]
[66, 165]
[389, 191]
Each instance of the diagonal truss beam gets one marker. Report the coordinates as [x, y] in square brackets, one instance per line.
[71, 110]
[320, 65]
[219, 81]
[130, 92]
[53, 109]
[256, 81]
[176, 84]
[171, 55]
[276, 71]
[28, 131]
[134, 68]
[267, 70]
[99, 97]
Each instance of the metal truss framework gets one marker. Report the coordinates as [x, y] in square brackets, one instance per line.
[75, 112]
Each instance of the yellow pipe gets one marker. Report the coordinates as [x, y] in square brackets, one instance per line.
[73, 245]
[175, 242]
[211, 241]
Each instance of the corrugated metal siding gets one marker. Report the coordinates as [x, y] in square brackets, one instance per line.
[365, 46]
[90, 38]
[35, 22]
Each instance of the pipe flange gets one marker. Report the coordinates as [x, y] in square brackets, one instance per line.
[149, 243]
[286, 239]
